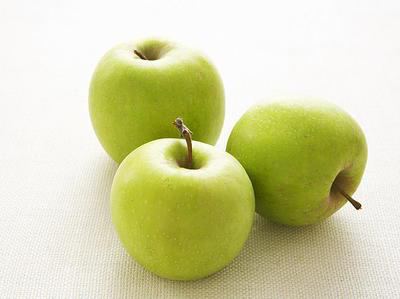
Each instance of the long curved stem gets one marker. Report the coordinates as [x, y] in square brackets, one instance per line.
[187, 134]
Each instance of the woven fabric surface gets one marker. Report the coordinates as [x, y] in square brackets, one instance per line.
[56, 235]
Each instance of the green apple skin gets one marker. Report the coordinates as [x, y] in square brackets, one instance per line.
[179, 223]
[293, 151]
[131, 99]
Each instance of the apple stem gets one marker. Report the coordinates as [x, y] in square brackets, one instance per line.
[354, 202]
[141, 55]
[187, 134]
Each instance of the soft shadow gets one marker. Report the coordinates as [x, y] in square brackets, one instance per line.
[285, 259]
[275, 258]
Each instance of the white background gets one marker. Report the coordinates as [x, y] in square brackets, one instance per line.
[56, 238]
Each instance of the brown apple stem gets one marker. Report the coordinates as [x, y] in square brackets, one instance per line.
[141, 55]
[354, 202]
[187, 134]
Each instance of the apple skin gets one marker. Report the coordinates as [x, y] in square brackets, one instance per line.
[293, 151]
[131, 99]
[179, 223]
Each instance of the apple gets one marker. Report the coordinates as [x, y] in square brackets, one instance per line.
[182, 218]
[140, 86]
[304, 158]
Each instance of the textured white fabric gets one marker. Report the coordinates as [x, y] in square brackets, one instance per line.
[56, 238]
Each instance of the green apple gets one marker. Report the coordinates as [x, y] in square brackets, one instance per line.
[140, 86]
[304, 158]
[182, 222]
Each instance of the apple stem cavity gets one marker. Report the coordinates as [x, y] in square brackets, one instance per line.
[141, 55]
[187, 134]
[354, 202]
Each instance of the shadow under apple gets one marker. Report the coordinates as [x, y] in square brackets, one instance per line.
[276, 258]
